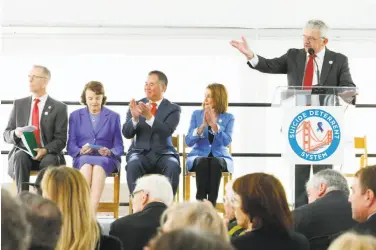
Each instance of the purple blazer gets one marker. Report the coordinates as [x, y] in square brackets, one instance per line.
[107, 133]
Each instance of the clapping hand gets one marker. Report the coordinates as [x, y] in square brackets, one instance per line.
[135, 109]
[145, 110]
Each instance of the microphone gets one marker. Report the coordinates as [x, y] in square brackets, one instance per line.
[312, 52]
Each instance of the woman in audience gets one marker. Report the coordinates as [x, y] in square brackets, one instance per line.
[95, 141]
[353, 241]
[233, 228]
[69, 190]
[261, 208]
[197, 214]
[189, 239]
[209, 134]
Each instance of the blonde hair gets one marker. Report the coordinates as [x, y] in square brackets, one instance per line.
[353, 241]
[69, 190]
[196, 214]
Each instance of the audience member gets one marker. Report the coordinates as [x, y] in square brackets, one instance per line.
[95, 142]
[68, 188]
[198, 214]
[45, 220]
[50, 132]
[234, 229]
[189, 239]
[262, 209]
[363, 200]
[15, 229]
[151, 123]
[353, 241]
[328, 212]
[210, 134]
[37, 184]
[151, 197]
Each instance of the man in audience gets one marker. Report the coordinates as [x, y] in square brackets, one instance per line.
[151, 123]
[15, 229]
[363, 200]
[50, 119]
[152, 195]
[45, 220]
[328, 212]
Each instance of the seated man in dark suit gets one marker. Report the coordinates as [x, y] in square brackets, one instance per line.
[363, 200]
[152, 195]
[50, 119]
[328, 212]
[150, 123]
[45, 219]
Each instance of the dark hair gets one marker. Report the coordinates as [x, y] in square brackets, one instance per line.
[367, 177]
[45, 219]
[15, 229]
[97, 88]
[219, 94]
[263, 199]
[189, 239]
[161, 76]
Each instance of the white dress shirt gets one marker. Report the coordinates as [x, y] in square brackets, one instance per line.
[151, 120]
[41, 104]
[319, 59]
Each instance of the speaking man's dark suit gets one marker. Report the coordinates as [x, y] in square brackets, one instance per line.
[137, 229]
[151, 150]
[368, 227]
[53, 129]
[335, 72]
[323, 219]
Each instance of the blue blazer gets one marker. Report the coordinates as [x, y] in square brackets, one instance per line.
[107, 132]
[201, 145]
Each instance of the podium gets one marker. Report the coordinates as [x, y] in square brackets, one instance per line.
[313, 127]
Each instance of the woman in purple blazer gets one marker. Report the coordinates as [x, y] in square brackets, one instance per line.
[95, 141]
[210, 134]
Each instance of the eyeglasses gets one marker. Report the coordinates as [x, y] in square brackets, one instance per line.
[37, 77]
[310, 38]
[131, 196]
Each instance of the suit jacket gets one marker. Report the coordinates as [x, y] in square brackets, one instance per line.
[368, 227]
[201, 144]
[137, 229]
[260, 239]
[53, 126]
[107, 132]
[293, 64]
[327, 216]
[158, 137]
[108, 242]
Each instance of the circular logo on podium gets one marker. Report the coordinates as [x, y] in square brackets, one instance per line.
[314, 135]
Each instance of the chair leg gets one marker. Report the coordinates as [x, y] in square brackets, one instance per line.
[116, 195]
[225, 181]
[130, 207]
[187, 188]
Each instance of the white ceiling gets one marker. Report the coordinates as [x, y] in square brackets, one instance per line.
[343, 14]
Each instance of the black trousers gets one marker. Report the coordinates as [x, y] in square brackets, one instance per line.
[301, 177]
[208, 177]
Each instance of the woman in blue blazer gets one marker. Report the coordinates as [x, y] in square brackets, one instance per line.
[210, 135]
[95, 141]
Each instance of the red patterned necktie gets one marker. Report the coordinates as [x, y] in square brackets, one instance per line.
[153, 108]
[308, 76]
[35, 121]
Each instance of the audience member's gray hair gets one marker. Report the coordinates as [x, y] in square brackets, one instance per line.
[15, 229]
[333, 179]
[320, 25]
[157, 187]
[45, 219]
[45, 70]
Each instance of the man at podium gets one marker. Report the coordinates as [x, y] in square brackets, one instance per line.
[315, 64]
